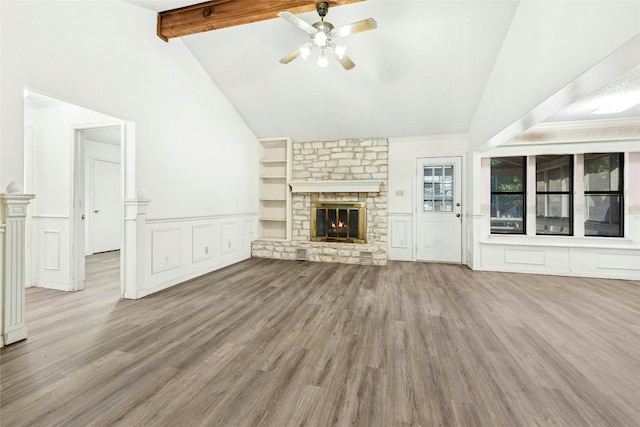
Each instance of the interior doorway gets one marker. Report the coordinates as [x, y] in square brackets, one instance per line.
[439, 209]
[73, 163]
[97, 214]
[102, 190]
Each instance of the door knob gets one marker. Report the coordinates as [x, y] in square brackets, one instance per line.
[82, 217]
[96, 211]
[457, 215]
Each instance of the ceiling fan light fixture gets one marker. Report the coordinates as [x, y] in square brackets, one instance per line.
[305, 51]
[323, 61]
[320, 39]
[322, 34]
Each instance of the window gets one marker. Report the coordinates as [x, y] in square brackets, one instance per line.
[603, 194]
[554, 204]
[508, 176]
[438, 188]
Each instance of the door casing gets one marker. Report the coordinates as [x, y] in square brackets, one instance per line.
[79, 204]
[459, 198]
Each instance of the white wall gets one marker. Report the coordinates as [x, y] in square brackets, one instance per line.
[549, 46]
[402, 195]
[576, 255]
[193, 155]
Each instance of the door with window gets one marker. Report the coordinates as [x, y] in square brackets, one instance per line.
[439, 210]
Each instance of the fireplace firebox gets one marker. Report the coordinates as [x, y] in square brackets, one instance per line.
[339, 222]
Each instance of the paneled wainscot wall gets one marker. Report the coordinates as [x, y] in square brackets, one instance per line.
[179, 249]
[348, 160]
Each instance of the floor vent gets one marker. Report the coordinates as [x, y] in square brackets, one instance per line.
[301, 254]
[366, 258]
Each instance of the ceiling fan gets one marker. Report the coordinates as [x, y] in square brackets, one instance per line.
[322, 35]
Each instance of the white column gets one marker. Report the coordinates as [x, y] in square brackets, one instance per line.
[133, 258]
[2, 229]
[14, 212]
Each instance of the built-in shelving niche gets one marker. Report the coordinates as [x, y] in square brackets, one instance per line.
[275, 197]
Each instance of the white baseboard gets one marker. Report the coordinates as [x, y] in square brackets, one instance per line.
[57, 286]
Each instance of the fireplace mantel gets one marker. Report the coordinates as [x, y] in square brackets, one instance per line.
[359, 186]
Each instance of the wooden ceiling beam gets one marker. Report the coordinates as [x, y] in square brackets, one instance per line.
[216, 14]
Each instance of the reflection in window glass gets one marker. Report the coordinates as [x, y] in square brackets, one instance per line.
[438, 188]
[554, 204]
[508, 195]
[603, 194]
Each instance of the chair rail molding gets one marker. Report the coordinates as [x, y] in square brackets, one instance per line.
[14, 212]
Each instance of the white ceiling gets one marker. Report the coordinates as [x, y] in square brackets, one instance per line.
[421, 72]
[625, 85]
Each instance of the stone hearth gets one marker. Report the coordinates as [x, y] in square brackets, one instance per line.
[353, 162]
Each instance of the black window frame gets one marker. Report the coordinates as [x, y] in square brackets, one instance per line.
[562, 193]
[619, 193]
[523, 193]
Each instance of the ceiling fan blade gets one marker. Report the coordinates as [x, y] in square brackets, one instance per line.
[290, 17]
[294, 54]
[290, 57]
[354, 27]
[344, 60]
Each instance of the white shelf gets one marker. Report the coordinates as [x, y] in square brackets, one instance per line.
[274, 195]
[270, 162]
[273, 229]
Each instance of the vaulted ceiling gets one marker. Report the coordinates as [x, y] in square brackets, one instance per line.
[421, 72]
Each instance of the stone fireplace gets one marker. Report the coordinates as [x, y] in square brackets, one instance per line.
[331, 180]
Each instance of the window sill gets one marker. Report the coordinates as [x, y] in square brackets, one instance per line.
[561, 241]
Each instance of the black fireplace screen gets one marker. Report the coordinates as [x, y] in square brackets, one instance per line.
[338, 223]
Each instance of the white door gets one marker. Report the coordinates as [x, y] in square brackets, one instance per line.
[439, 210]
[105, 213]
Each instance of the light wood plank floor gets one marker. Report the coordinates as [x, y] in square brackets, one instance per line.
[279, 343]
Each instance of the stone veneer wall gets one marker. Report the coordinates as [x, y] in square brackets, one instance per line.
[351, 159]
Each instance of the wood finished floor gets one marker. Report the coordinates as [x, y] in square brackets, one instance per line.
[279, 343]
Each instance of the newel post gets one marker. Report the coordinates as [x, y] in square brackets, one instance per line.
[14, 212]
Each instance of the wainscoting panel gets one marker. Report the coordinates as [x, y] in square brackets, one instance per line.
[179, 249]
[519, 256]
[202, 247]
[584, 258]
[229, 237]
[165, 249]
[401, 237]
[619, 261]
[613, 263]
[51, 250]
[51, 245]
